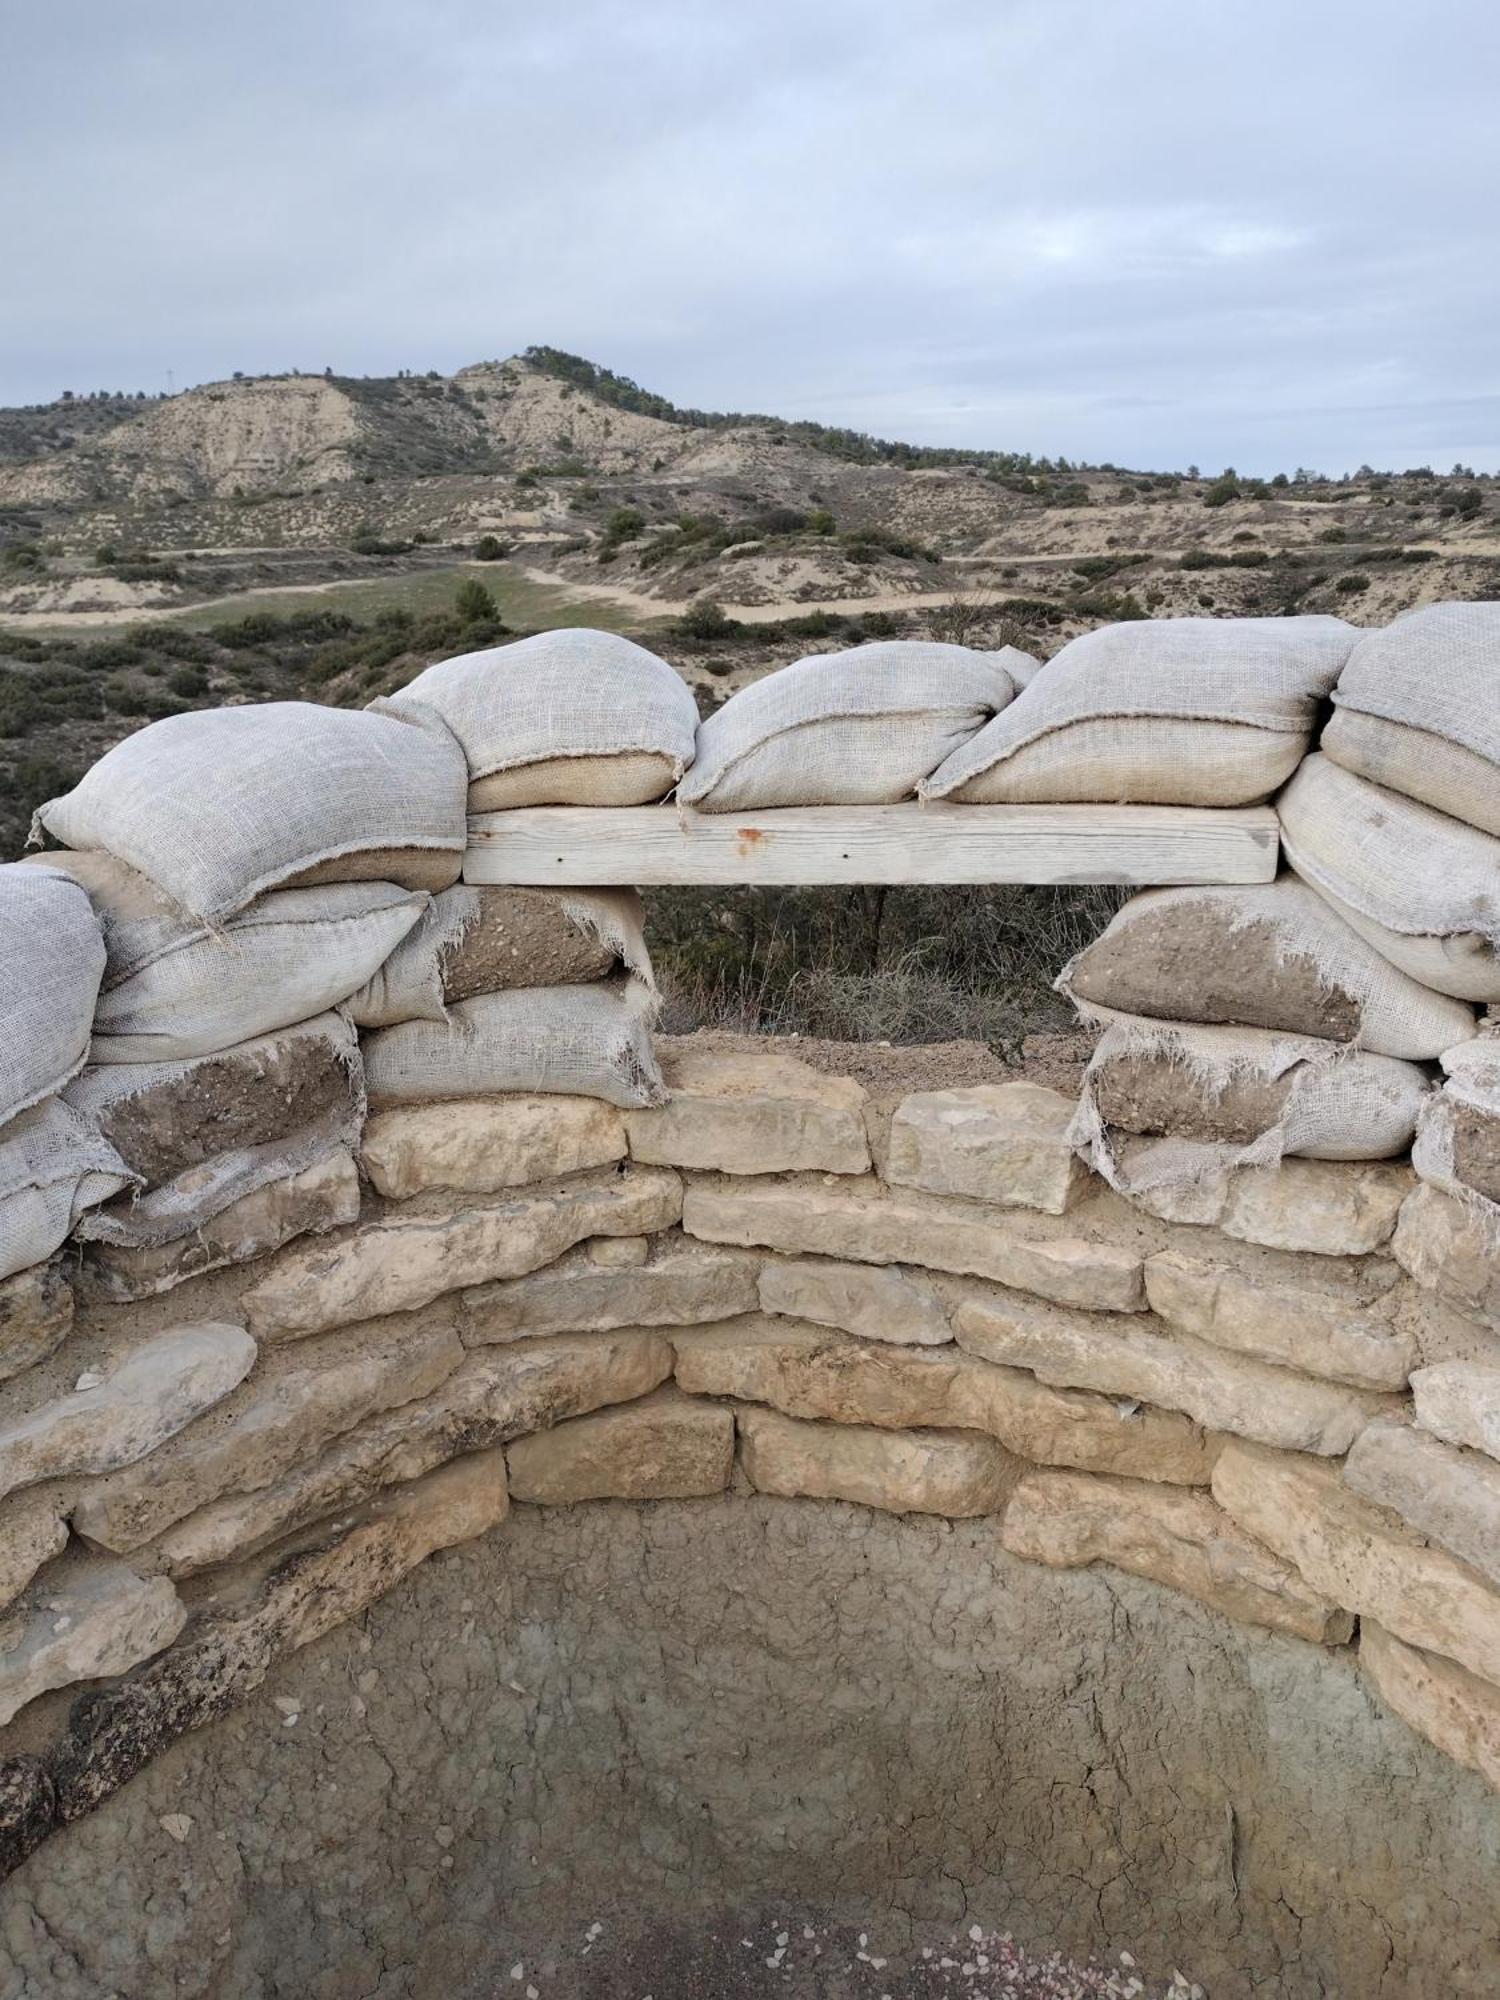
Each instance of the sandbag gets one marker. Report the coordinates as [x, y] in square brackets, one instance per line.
[53, 1167]
[222, 804]
[1422, 888]
[203, 1133]
[847, 729]
[1458, 1141]
[177, 987]
[1270, 956]
[1172, 711]
[1417, 710]
[1237, 1097]
[575, 717]
[576, 1041]
[474, 941]
[51, 962]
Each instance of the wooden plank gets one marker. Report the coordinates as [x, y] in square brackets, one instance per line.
[654, 846]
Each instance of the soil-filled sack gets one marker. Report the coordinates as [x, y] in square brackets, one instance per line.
[1234, 1097]
[204, 1133]
[51, 962]
[474, 941]
[54, 1166]
[571, 718]
[1417, 709]
[1171, 711]
[1458, 1143]
[220, 805]
[176, 986]
[572, 1041]
[848, 729]
[1422, 888]
[1272, 956]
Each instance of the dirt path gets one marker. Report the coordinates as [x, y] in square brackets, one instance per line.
[758, 614]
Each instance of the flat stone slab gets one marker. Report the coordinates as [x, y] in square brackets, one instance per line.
[1362, 1556]
[1329, 1208]
[145, 1399]
[400, 1264]
[82, 1621]
[1143, 1358]
[1449, 1495]
[765, 1113]
[1449, 1247]
[482, 1145]
[876, 1302]
[1452, 1708]
[953, 1473]
[33, 1529]
[36, 1312]
[1005, 1143]
[682, 1283]
[1459, 1401]
[665, 1447]
[868, 1225]
[1173, 1535]
[1344, 1331]
[807, 1372]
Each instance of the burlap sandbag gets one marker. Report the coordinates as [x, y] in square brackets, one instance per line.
[847, 729]
[576, 1041]
[474, 941]
[1422, 888]
[1237, 1097]
[1271, 956]
[1417, 709]
[204, 1133]
[178, 987]
[1458, 1142]
[220, 805]
[1173, 711]
[53, 1167]
[574, 718]
[51, 962]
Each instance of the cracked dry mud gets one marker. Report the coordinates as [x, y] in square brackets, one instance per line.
[695, 1723]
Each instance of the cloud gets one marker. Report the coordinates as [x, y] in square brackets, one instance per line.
[1150, 231]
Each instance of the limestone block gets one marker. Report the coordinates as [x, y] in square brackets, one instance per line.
[33, 1529]
[871, 1226]
[1449, 1495]
[483, 1144]
[1005, 1143]
[682, 1284]
[1451, 1707]
[805, 1372]
[1459, 1401]
[144, 1399]
[323, 1197]
[1361, 1555]
[36, 1311]
[1337, 1324]
[765, 1113]
[283, 1414]
[490, 1399]
[954, 1473]
[1143, 1359]
[877, 1302]
[1450, 1247]
[82, 1621]
[1172, 1535]
[1330, 1208]
[402, 1263]
[665, 1447]
[617, 1253]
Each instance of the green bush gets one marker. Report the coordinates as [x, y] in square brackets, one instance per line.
[706, 620]
[490, 548]
[474, 605]
[1351, 586]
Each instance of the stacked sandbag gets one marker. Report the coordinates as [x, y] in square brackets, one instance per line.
[53, 1163]
[574, 718]
[864, 727]
[1458, 1146]
[1178, 711]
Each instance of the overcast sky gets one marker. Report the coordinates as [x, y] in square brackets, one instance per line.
[1159, 232]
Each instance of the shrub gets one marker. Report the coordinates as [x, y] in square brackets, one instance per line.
[1222, 491]
[707, 620]
[821, 522]
[1332, 535]
[1351, 586]
[490, 548]
[474, 605]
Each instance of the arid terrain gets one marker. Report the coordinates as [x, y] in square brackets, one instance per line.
[325, 537]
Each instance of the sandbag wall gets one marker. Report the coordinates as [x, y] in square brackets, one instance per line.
[1207, 1324]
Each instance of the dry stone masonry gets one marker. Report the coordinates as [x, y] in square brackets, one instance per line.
[344, 1205]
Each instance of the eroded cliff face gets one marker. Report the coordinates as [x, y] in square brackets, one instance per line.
[671, 1717]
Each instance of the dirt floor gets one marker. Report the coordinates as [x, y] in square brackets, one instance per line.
[885, 1068]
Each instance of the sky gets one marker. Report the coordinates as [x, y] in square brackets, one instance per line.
[1157, 233]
